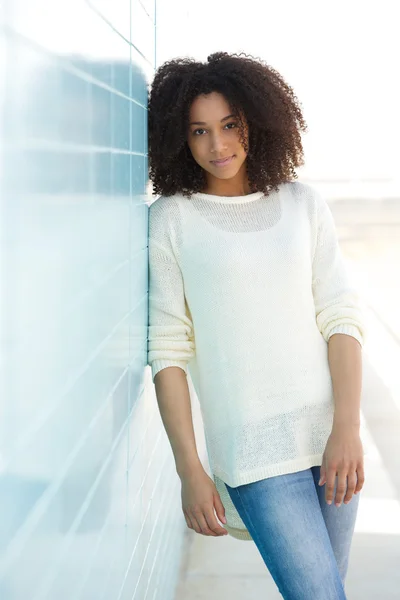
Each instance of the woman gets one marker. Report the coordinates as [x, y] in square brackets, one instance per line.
[248, 289]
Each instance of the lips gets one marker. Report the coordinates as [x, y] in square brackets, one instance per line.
[222, 161]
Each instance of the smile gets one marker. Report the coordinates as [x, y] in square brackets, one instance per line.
[223, 162]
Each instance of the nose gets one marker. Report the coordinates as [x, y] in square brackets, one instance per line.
[218, 145]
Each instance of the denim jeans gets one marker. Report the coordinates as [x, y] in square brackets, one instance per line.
[304, 541]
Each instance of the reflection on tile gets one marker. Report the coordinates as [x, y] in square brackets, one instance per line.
[75, 515]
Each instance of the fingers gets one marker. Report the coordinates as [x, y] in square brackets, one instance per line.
[350, 481]
[201, 520]
[213, 523]
[360, 478]
[351, 486]
[330, 484]
[219, 508]
[188, 520]
[204, 522]
[341, 487]
[194, 523]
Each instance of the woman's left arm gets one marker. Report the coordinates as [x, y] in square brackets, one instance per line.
[344, 456]
[340, 320]
[345, 364]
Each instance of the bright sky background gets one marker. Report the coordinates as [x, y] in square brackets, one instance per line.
[342, 58]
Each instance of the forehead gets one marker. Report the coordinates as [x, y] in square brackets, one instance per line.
[213, 105]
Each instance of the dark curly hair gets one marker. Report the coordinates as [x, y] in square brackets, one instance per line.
[249, 85]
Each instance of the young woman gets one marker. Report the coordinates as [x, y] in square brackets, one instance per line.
[249, 291]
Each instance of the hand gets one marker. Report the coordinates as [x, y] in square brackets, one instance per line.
[343, 457]
[199, 499]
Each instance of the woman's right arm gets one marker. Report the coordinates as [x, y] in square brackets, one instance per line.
[173, 400]
[199, 495]
[171, 346]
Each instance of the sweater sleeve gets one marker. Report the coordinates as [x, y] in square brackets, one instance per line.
[170, 334]
[337, 305]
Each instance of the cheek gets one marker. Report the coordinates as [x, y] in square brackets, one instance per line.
[197, 148]
[240, 148]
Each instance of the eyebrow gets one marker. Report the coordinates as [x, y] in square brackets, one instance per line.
[203, 123]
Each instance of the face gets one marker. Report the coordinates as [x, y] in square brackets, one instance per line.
[213, 134]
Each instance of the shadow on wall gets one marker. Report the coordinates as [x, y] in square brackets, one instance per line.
[69, 177]
[87, 122]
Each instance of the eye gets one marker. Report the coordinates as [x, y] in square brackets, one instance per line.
[229, 125]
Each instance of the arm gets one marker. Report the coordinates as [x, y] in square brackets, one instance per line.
[345, 363]
[337, 306]
[201, 503]
[171, 345]
[170, 339]
[340, 321]
[173, 399]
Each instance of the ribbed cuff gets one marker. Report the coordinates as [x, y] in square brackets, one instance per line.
[159, 364]
[348, 329]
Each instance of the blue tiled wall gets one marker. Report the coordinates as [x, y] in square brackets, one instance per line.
[88, 490]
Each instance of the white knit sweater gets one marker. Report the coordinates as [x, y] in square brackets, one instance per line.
[246, 291]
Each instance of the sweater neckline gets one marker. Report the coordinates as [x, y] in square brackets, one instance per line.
[229, 199]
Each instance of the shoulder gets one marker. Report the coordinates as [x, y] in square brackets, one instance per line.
[306, 195]
[164, 217]
[165, 208]
[300, 191]
[164, 204]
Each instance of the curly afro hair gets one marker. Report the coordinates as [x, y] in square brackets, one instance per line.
[250, 86]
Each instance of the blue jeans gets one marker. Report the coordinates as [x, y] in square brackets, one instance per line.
[304, 541]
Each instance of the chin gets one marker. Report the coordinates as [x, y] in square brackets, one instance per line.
[227, 174]
[224, 174]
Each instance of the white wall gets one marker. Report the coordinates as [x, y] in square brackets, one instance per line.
[87, 505]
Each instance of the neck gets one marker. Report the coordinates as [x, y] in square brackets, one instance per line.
[236, 186]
